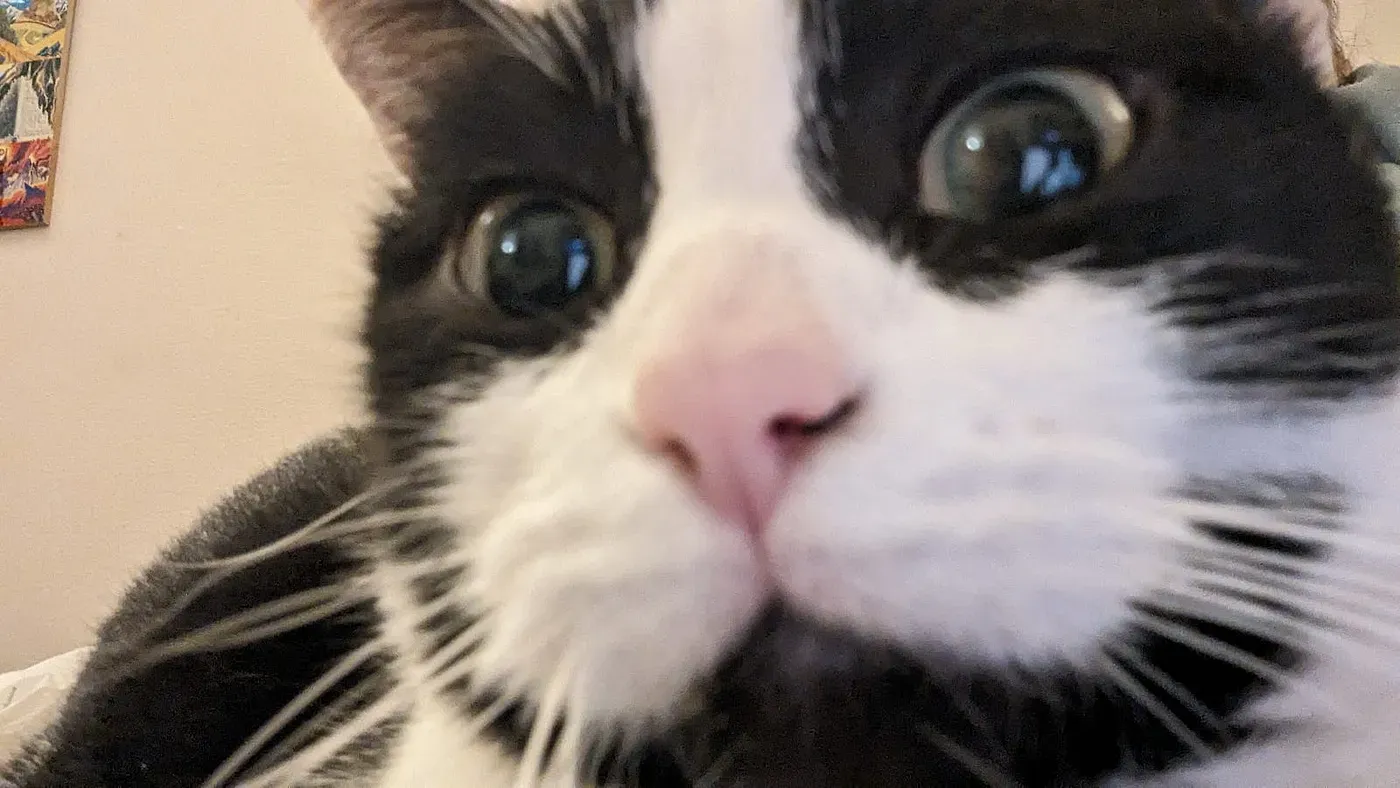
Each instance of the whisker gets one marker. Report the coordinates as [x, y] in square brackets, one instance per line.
[570, 752]
[568, 22]
[306, 735]
[1241, 603]
[1276, 523]
[249, 626]
[1223, 299]
[1228, 654]
[319, 533]
[1191, 267]
[1243, 576]
[342, 670]
[1148, 700]
[547, 715]
[1135, 659]
[224, 636]
[1284, 565]
[225, 568]
[280, 545]
[522, 31]
[308, 761]
[315, 757]
[718, 767]
[984, 771]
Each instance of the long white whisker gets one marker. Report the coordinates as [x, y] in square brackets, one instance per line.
[307, 734]
[547, 715]
[1281, 564]
[1272, 523]
[1134, 659]
[264, 621]
[1149, 701]
[1318, 599]
[322, 531]
[235, 638]
[282, 544]
[523, 33]
[1249, 618]
[1218, 306]
[309, 760]
[1308, 593]
[225, 568]
[352, 662]
[986, 772]
[1230, 655]
[569, 754]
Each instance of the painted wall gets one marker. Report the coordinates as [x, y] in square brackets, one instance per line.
[189, 316]
[1372, 29]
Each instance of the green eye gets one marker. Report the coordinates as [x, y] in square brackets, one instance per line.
[1022, 143]
[531, 255]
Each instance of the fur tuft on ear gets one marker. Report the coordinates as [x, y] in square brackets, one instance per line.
[1316, 24]
[392, 51]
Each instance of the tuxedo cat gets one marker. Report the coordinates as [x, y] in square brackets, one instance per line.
[813, 394]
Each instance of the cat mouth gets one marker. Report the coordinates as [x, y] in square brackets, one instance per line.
[802, 703]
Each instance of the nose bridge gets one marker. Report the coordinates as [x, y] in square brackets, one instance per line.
[750, 290]
[742, 265]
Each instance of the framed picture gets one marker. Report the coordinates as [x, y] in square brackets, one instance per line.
[34, 45]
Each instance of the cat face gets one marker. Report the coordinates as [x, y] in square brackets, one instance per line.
[849, 393]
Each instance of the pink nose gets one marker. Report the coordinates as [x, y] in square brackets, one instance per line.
[739, 405]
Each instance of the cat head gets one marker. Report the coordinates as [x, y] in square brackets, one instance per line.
[840, 392]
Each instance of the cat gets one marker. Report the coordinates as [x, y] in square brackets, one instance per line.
[809, 394]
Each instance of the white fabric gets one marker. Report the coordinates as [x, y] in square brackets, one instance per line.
[30, 698]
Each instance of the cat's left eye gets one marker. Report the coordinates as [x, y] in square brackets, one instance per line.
[531, 255]
[1023, 142]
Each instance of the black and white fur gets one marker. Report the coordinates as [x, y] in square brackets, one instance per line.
[1117, 509]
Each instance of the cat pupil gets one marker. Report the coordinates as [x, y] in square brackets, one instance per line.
[1021, 150]
[542, 258]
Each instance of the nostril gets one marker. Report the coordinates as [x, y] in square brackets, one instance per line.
[795, 431]
[681, 456]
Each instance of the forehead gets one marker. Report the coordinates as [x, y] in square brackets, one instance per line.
[742, 76]
[720, 79]
[899, 38]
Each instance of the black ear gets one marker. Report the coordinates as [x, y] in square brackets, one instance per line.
[1315, 24]
[392, 51]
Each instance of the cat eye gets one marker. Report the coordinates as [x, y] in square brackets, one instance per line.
[1023, 142]
[532, 255]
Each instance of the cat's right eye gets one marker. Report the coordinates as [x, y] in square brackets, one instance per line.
[530, 255]
[1023, 142]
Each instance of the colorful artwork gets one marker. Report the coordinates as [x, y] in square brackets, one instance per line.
[34, 36]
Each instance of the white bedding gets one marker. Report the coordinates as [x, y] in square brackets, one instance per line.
[30, 698]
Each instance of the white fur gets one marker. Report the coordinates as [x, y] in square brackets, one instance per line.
[1005, 489]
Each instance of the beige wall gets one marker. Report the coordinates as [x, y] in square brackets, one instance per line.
[1372, 29]
[189, 314]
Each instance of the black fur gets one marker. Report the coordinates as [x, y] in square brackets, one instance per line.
[169, 725]
[1229, 119]
[1238, 153]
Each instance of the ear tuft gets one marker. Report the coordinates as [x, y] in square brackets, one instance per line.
[391, 52]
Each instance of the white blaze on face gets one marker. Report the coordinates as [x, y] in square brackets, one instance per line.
[1003, 490]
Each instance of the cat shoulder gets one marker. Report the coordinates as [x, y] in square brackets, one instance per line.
[161, 701]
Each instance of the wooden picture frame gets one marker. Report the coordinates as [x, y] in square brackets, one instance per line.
[35, 44]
